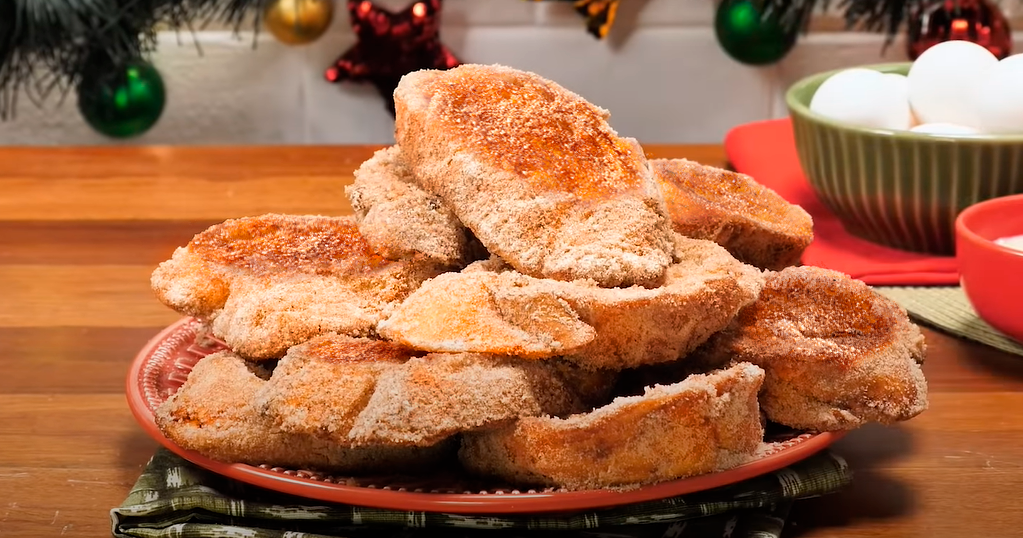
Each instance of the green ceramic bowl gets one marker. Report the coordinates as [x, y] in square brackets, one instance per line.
[898, 188]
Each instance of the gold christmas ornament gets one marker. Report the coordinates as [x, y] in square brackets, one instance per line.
[298, 22]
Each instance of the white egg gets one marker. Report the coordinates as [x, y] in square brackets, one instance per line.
[899, 85]
[943, 79]
[863, 97]
[948, 129]
[901, 82]
[999, 98]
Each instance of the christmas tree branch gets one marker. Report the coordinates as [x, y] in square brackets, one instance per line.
[791, 14]
[885, 16]
[48, 45]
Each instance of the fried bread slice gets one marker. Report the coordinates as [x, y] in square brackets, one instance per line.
[478, 309]
[399, 219]
[751, 221]
[269, 282]
[214, 414]
[836, 353]
[438, 395]
[705, 423]
[536, 173]
[357, 391]
[487, 312]
[320, 386]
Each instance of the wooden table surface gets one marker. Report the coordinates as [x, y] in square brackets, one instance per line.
[81, 230]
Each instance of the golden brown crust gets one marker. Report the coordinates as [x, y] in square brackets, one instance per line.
[553, 139]
[436, 396]
[357, 391]
[479, 310]
[320, 387]
[399, 219]
[214, 414]
[536, 173]
[705, 423]
[266, 283]
[486, 312]
[273, 246]
[751, 221]
[703, 291]
[837, 354]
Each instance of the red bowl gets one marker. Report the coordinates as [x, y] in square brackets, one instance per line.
[989, 273]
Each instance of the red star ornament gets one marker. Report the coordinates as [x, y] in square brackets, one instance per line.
[390, 45]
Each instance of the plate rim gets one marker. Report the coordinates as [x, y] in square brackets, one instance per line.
[450, 503]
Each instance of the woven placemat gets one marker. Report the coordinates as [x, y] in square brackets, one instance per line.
[176, 499]
[947, 308]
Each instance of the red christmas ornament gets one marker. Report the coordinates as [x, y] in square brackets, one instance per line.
[979, 21]
[391, 45]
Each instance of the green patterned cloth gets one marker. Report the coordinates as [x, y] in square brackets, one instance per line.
[948, 309]
[175, 499]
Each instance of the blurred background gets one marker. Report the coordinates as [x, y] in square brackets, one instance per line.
[660, 70]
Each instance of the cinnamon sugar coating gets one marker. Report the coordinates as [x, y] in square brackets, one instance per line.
[751, 221]
[439, 395]
[837, 354]
[400, 220]
[491, 308]
[358, 391]
[320, 387]
[269, 282]
[214, 413]
[706, 423]
[536, 173]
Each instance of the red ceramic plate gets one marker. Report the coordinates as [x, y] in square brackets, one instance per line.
[163, 365]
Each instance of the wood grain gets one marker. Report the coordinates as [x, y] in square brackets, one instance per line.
[81, 229]
[35, 513]
[101, 242]
[188, 183]
[69, 360]
[90, 296]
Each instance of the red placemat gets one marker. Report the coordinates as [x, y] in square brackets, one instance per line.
[766, 150]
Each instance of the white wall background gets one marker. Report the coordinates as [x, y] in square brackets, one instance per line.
[660, 73]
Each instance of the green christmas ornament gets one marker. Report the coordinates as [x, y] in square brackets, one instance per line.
[749, 37]
[124, 102]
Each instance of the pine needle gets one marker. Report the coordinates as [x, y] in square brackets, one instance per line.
[50, 45]
[887, 16]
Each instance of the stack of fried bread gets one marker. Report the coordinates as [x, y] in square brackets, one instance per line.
[522, 291]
